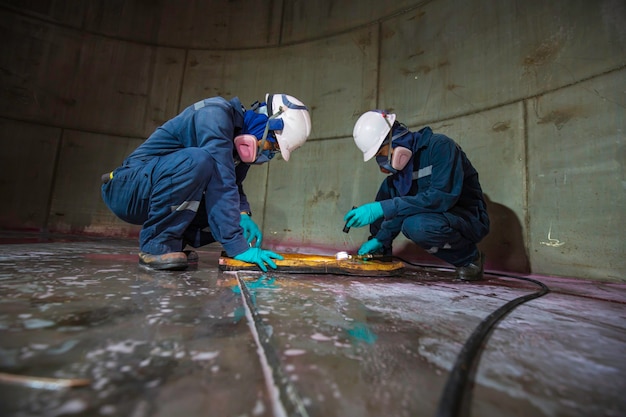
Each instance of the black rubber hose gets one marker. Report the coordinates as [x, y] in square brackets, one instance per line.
[455, 388]
[456, 385]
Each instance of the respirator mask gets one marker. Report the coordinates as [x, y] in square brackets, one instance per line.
[249, 149]
[397, 158]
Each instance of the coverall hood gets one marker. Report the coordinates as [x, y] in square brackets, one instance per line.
[254, 124]
[411, 140]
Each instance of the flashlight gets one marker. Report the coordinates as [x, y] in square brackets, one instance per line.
[346, 229]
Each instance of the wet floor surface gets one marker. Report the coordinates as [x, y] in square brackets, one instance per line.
[206, 343]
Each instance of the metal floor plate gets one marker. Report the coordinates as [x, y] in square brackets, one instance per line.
[206, 342]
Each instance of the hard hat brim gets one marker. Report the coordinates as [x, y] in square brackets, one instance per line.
[373, 150]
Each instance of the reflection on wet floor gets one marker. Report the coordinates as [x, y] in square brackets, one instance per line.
[201, 342]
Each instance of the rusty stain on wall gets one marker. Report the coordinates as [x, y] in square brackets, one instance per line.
[364, 40]
[416, 54]
[417, 16]
[559, 117]
[545, 52]
[321, 195]
[501, 126]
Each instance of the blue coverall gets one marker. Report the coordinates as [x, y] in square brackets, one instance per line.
[182, 183]
[444, 211]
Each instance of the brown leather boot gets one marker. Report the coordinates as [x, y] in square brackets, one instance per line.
[173, 261]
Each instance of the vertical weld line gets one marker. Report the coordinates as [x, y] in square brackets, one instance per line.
[278, 385]
[526, 185]
[147, 109]
[378, 61]
[52, 188]
[182, 81]
[281, 24]
[272, 390]
[270, 21]
[267, 186]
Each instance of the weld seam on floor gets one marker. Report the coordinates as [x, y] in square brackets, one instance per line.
[278, 384]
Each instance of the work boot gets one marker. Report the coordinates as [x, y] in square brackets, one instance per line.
[173, 261]
[192, 256]
[474, 270]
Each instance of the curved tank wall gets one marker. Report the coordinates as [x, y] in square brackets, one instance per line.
[532, 91]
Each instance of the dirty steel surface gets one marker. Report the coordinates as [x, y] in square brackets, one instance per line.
[296, 263]
[209, 343]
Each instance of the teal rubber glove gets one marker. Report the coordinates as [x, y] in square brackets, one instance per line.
[260, 257]
[250, 230]
[371, 246]
[364, 215]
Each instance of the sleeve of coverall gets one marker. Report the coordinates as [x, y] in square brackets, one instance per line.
[385, 230]
[241, 171]
[214, 131]
[446, 183]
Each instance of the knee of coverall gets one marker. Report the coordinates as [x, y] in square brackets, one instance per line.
[179, 180]
[180, 176]
[428, 230]
[432, 232]
[194, 164]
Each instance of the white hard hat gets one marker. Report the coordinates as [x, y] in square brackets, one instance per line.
[296, 122]
[371, 130]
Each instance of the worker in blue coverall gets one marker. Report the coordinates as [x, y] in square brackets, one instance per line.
[184, 183]
[432, 194]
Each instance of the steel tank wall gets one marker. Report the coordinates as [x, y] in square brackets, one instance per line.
[533, 92]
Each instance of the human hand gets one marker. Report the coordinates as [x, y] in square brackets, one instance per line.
[364, 215]
[371, 246]
[250, 230]
[260, 257]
